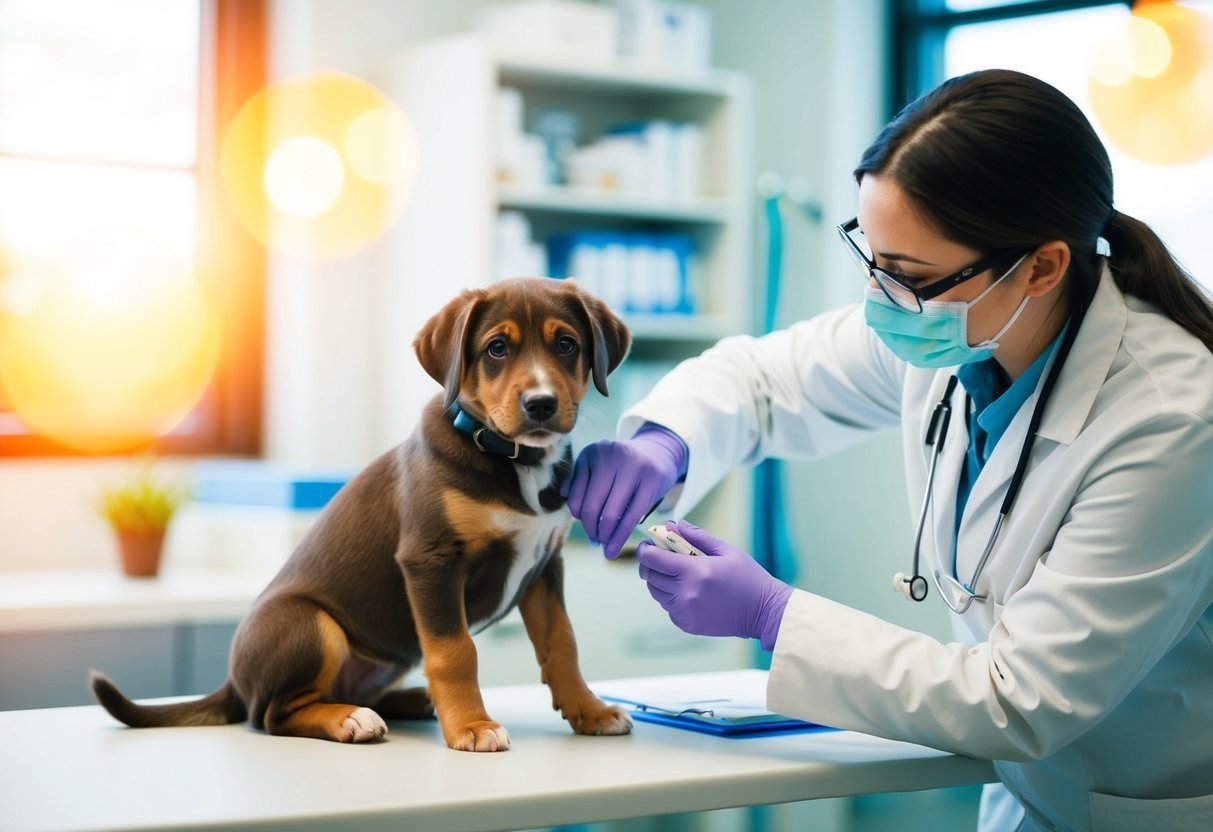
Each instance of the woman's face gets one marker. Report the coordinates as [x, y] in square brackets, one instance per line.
[906, 245]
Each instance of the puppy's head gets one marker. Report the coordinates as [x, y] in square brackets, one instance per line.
[520, 354]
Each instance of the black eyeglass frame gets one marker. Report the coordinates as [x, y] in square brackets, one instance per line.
[933, 289]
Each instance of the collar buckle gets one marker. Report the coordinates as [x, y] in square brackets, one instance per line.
[476, 434]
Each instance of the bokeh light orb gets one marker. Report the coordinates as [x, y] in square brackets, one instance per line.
[113, 346]
[319, 166]
[1151, 84]
[304, 176]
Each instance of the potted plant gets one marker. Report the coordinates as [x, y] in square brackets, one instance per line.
[139, 511]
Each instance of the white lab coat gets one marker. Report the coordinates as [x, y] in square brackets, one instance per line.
[1088, 676]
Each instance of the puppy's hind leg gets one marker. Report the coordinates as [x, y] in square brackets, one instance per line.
[373, 683]
[292, 687]
[409, 703]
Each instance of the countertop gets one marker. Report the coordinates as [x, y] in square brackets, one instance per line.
[71, 769]
[74, 599]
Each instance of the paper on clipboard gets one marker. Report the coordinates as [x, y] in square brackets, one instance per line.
[735, 697]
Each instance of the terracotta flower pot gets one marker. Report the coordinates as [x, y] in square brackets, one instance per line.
[140, 551]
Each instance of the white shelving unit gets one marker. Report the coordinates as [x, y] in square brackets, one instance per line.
[444, 240]
[555, 199]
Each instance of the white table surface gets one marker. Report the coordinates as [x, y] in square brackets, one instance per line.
[76, 769]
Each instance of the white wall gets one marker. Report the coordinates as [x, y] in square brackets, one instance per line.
[323, 403]
[818, 70]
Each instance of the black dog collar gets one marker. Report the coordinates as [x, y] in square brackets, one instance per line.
[490, 442]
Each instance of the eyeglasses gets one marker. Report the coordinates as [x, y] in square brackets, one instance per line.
[895, 289]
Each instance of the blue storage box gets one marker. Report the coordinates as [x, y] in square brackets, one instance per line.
[259, 483]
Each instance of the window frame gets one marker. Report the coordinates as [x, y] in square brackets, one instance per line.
[232, 66]
[920, 28]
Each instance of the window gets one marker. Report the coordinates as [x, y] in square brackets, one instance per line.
[110, 115]
[1059, 42]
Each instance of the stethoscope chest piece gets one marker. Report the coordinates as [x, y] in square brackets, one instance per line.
[914, 588]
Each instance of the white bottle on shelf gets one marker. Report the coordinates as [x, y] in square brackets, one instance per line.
[687, 161]
[515, 253]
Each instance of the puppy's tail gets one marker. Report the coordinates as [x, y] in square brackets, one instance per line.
[222, 707]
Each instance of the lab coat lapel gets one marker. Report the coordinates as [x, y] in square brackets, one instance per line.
[1089, 363]
[1067, 411]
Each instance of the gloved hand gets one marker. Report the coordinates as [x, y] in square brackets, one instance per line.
[616, 483]
[726, 593]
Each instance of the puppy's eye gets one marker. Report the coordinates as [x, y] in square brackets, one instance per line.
[498, 348]
[565, 345]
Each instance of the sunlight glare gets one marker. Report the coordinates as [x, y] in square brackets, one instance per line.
[116, 347]
[1157, 108]
[381, 147]
[319, 166]
[303, 176]
[1141, 47]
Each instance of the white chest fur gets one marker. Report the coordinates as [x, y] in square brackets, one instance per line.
[535, 536]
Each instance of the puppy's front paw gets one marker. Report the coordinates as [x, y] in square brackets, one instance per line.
[363, 725]
[483, 735]
[597, 718]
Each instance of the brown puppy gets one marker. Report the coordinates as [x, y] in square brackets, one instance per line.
[435, 540]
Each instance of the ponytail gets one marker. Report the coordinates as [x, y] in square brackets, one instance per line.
[1143, 267]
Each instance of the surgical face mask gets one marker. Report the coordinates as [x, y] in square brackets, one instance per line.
[938, 336]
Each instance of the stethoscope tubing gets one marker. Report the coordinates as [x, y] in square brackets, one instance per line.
[937, 431]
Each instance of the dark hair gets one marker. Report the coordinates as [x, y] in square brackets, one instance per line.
[998, 160]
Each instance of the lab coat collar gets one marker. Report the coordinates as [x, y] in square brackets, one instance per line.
[1088, 364]
[1070, 404]
[1066, 413]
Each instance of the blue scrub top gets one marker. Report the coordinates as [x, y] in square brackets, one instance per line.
[994, 406]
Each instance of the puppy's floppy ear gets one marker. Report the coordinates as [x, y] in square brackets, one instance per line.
[441, 343]
[612, 340]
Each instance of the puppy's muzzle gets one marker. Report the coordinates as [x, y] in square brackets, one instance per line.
[539, 407]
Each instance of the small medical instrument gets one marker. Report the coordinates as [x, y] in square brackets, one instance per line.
[959, 597]
[671, 541]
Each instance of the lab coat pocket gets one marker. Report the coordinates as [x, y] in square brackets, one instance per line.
[1125, 814]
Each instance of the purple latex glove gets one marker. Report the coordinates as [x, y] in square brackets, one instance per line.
[615, 484]
[726, 593]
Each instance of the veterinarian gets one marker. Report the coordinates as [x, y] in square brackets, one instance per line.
[1065, 511]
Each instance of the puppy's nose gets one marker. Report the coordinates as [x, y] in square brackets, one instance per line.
[539, 406]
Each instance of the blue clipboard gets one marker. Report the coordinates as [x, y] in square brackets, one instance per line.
[734, 730]
[729, 703]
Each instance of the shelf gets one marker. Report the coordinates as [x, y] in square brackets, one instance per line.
[620, 77]
[689, 328]
[709, 210]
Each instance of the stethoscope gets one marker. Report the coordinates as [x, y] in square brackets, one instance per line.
[914, 586]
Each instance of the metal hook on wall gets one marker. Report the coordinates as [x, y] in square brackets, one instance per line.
[794, 191]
